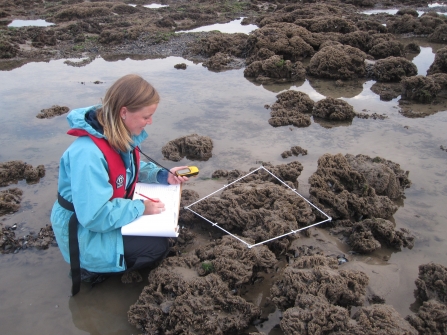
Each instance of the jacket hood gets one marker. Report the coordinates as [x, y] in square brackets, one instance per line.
[85, 118]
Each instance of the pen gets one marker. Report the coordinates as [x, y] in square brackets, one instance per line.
[153, 200]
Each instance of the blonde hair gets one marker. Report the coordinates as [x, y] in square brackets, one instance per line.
[132, 92]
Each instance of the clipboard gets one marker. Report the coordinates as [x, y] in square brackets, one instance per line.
[164, 224]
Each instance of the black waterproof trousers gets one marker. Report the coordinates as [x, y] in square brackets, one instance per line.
[144, 251]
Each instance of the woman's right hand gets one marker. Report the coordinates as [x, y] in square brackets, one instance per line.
[152, 207]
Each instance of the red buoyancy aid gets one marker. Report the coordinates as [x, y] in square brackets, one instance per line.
[117, 170]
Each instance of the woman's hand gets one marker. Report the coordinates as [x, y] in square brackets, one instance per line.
[151, 207]
[174, 179]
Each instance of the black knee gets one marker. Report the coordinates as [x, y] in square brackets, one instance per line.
[144, 251]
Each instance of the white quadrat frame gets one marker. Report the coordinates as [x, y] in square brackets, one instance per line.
[214, 224]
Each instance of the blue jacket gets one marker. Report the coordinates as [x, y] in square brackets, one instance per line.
[84, 181]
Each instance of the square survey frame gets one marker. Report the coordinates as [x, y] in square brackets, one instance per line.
[328, 218]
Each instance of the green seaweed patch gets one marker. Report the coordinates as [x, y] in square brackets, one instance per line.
[280, 63]
[208, 267]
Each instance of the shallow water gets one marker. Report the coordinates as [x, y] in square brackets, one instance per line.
[435, 4]
[231, 27]
[380, 11]
[29, 23]
[225, 106]
[153, 6]
[421, 60]
[393, 11]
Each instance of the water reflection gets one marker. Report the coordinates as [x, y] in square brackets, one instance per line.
[30, 23]
[276, 88]
[380, 11]
[368, 101]
[231, 27]
[423, 60]
[307, 88]
[304, 87]
[417, 110]
[328, 124]
[154, 6]
[386, 11]
[9, 65]
[339, 89]
[121, 57]
[436, 4]
[99, 311]
[387, 91]
[229, 109]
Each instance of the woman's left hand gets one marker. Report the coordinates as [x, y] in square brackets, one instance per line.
[174, 179]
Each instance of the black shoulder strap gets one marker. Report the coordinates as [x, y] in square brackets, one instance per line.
[136, 163]
[73, 245]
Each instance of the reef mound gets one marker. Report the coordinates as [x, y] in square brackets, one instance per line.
[333, 109]
[291, 108]
[193, 147]
[355, 187]
[53, 111]
[13, 171]
[196, 293]
[338, 62]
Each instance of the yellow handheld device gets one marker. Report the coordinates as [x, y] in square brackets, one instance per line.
[190, 171]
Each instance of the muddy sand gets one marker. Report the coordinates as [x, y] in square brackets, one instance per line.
[200, 289]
